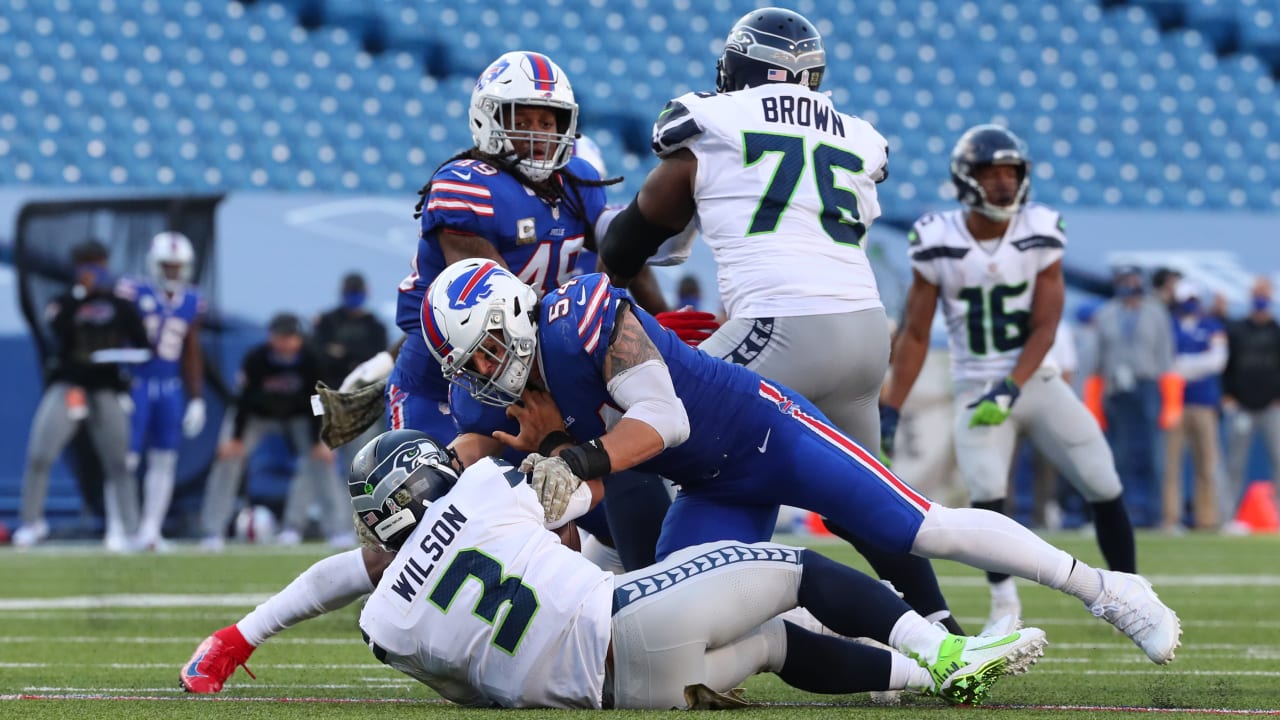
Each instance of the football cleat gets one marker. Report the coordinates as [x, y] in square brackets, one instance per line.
[215, 660]
[966, 668]
[1128, 602]
[29, 535]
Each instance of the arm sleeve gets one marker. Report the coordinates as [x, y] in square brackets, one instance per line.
[646, 393]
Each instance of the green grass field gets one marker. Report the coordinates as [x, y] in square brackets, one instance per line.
[85, 634]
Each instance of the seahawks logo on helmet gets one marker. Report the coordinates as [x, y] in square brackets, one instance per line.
[771, 45]
[395, 478]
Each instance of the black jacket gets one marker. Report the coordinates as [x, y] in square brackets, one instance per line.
[344, 340]
[83, 323]
[1252, 375]
[274, 390]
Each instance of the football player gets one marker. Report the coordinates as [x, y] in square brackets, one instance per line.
[783, 187]
[996, 267]
[621, 392]
[469, 542]
[521, 198]
[167, 389]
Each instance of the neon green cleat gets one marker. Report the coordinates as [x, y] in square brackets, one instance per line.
[966, 668]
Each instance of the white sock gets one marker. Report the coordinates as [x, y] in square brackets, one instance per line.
[157, 490]
[991, 541]
[913, 635]
[906, 673]
[111, 511]
[1084, 582]
[1004, 590]
[330, 584]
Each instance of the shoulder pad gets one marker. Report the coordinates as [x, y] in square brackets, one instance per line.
[928, 239]
[676, 127]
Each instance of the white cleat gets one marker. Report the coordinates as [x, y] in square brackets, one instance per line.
[29, 535]
[1128, 602]
[1006, 609]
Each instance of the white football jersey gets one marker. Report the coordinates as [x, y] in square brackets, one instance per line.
[986, 288]
[487, 607]
[785, 192]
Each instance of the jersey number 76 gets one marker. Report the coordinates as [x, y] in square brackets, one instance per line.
[840, 217]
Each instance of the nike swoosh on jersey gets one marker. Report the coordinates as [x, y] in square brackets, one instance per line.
[462, 176]
[765, 444]
[582, 299]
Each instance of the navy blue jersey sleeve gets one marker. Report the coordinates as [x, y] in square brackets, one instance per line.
[579, 317]
[460, 199]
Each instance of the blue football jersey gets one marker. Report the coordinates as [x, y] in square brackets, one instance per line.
[540, 242]
[574, 331]
[167, 319]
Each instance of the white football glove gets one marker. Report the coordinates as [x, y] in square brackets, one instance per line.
[368, 372]
[553, 481]
[126, 403]
[193, 418]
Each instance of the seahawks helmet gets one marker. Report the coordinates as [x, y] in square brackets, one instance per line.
[989, 145]
[771, 45]
[395, 478]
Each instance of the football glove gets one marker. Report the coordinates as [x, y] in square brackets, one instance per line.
[346, 415]
[193, 418]
[994, 407]
[368, 372]
[692, 326]
[553, 481]
[889, 417]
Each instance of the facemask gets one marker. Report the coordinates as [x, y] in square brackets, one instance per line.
[353, 300]
[1190, 306]
[101, 278]
[1128, 291]
[1261, 303]
[689, 301]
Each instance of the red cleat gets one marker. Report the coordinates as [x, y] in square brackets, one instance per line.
[216, 660]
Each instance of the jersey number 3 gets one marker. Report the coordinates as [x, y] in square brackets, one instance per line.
[840, 217]
[495, 591]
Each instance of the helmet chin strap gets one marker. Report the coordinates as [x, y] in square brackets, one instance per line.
[997, 212]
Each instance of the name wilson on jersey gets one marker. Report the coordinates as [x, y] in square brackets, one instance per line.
[443, 532]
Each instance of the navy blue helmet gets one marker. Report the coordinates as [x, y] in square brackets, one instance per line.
[989, 145]
[395, 478]
[771, 45]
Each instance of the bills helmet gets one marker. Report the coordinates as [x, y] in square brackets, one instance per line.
[771, 45]
[395, 478]
[171, 259]
[524, 79]
[989, 145]
[476, 305]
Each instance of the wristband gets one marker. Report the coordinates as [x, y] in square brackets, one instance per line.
[588, 460]
[553, 440]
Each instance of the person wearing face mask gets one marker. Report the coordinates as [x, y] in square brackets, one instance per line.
[1201, 343]
[1135, 350]
[275, 383]
[345, 337]
[95, 333]
[1251, 391]
[348, 334]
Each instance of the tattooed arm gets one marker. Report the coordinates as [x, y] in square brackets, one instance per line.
[654, 418]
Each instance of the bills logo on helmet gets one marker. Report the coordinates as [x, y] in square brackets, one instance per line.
[492, 73]
[470, 288]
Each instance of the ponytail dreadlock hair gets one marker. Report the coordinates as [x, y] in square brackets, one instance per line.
[549, 189]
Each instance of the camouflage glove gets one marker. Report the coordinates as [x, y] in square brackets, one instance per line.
[345, 415]
[994, 407]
